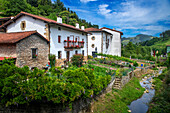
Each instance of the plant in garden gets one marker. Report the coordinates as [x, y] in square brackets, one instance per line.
[77, 60]
[52, 59]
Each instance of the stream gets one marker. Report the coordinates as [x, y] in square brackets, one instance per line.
[141, 105]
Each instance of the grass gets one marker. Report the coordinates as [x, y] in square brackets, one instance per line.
[161, 100]
[117, 100]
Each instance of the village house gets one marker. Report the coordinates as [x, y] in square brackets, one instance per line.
[65, 40]
[115, 42]
[98, 41]
[104, 40]
[28, 48]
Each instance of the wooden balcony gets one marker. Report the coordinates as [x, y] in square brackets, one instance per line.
[70, 45]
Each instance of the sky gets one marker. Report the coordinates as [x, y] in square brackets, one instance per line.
[132, 17]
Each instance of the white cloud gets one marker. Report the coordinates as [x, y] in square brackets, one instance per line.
[85, 1]
[104, 11]
[138, 15]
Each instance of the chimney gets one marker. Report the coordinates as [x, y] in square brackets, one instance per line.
[77, 25]
[12, 17]
[59, 20]
[82, 27]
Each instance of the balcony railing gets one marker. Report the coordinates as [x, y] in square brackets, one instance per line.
[73, 44]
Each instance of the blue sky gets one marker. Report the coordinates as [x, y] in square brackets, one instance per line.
[132, 17]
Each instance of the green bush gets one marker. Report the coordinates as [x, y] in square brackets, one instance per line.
[90, 57]
[135, 64]
[77, 60]
[7, 61]
[20, 85]
[52, 59]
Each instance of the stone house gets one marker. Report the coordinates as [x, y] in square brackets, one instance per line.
[104, 40]
[28, 48]
[65, 40]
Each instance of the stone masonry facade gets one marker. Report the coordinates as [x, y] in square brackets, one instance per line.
[8, 50]
[24, 52]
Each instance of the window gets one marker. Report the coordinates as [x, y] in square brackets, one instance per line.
[76, 52]
[34, 53]
[82, 33]
[59, 39]
[76, 39]
[92, 45]
[93, 38]
[83, 52]
[83, 40]
[59, 28]
[59, 54]
[23, 25]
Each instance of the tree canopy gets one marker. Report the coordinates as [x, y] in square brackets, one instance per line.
[45, 8]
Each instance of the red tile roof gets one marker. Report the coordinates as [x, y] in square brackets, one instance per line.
[17, 36]
[92, 29]
[43, 19]
[112, 30]
[5, 18]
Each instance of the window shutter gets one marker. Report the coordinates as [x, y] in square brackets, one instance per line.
[59, 39]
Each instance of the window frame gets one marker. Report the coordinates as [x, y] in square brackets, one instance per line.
[59, 39]
[36, 53]
[59, 54]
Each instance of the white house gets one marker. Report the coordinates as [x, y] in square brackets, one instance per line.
[104, 40]
[65, 40]
[98, 41]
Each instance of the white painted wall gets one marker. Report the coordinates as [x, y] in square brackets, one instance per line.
[35, 24]
[96, 42]
[64, 33]
[115, 46]
[31, 25]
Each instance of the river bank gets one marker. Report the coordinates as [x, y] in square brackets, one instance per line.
[117, 100]
[161, 100]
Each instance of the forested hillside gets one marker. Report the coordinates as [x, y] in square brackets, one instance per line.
[143, 49]
[136, 39]
[45, 8]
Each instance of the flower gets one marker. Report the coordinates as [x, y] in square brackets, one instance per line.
[26, 98]
[92, 69]
[65, 40]
[91, 95]
[35, 55]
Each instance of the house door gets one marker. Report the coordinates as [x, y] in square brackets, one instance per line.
[94, 54]
[68, 55]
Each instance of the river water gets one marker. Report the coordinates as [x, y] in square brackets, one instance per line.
[141, 105]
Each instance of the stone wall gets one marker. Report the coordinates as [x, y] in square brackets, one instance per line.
[24, 52]
[78, 106]
[8, 50]
[59, 62]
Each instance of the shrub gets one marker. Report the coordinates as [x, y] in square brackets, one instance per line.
[52, 59]
[140, 56]
[90, 57]
[77, 60]
[135, 64]
[7, 61]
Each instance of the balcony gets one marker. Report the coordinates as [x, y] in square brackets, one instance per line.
[71, 44]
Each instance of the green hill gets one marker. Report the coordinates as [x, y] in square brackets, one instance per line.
[137, 39]
[47, 8]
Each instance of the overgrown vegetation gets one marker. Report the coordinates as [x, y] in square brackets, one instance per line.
[117, 101]
[118, 58]
[161, 100]
[77, 60]
[22, 86]
[47, 8]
